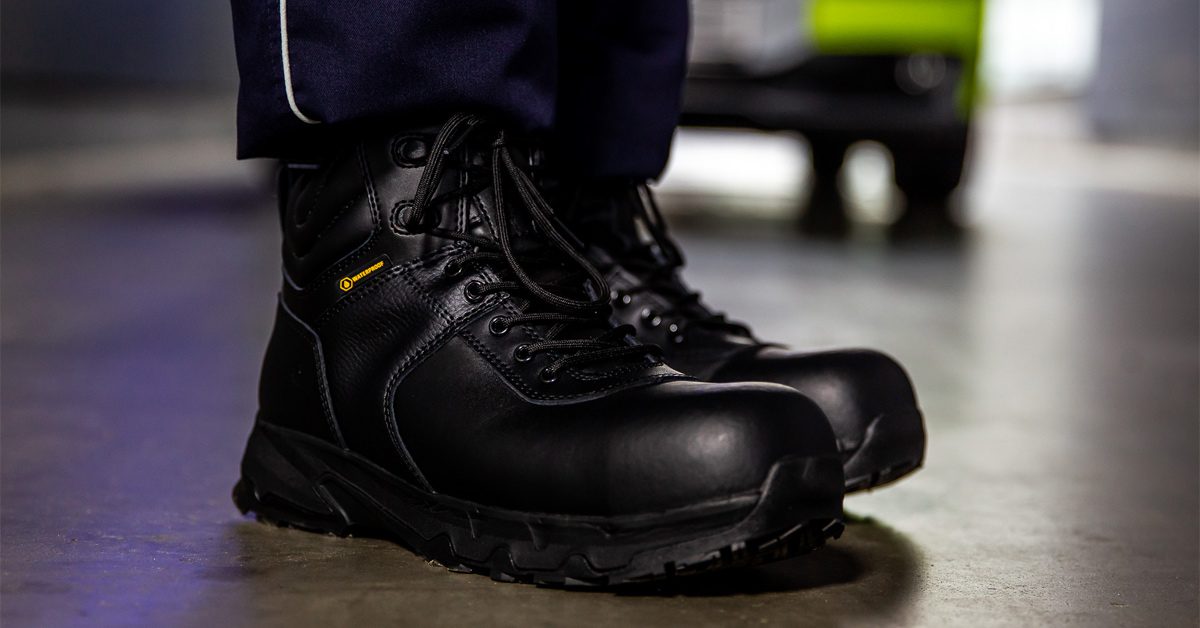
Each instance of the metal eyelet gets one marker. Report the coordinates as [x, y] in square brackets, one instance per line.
[472, 291]
[399, 217]
[548, 376]
[522, 353]
[410, 151]
[498, 326]
[452, 268]
[621, 298]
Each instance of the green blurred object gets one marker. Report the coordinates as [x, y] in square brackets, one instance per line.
[900, 73]
[903, 27]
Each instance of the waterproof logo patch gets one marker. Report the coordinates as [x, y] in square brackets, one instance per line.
[347, 283]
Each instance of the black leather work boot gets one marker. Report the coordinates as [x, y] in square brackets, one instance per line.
[866, 395]
[444, 371]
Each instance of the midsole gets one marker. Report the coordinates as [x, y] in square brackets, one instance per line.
[888, 441]
[290, 466]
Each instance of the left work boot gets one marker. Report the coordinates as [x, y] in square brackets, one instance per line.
[866, 394]
[444, 371]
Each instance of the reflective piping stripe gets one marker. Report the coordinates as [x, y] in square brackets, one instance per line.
[287, 66]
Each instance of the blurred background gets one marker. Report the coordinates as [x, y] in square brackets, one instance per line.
[1003, 194]
[918, 87]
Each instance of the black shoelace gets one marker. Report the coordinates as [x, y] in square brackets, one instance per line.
[593, 339]
[658, 266]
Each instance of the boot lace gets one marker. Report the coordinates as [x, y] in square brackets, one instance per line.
[657, 265]
[579, 331]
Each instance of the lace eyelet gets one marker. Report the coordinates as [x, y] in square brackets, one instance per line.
[403, 221]
[472, 291]
[452, 268]
[548, 376]
[498, 326]
[621, 299]
[522, 353]
[410, 151]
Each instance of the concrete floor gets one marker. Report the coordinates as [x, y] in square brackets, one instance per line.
[1055, 349]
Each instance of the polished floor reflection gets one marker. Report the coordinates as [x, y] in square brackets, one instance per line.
[1054, 347]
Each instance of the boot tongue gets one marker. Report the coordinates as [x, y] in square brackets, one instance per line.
[482, 219]
[608, 217]
[604, 215]
[560, 278]
[467, 181]
[525, 239]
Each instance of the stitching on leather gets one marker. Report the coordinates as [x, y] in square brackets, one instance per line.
[485, 215]
[373, 203]
[436, 304]
[378, 282]
[461, 222]
[371, 197]
[406, 366]
[513, 378]
[529, 330]
[333, 220]
[323, 384]
[391, 422]
[406, 274]
[324, 182]
[436, 342]
[596, 375]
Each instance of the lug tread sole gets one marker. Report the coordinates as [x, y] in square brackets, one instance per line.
[893, 447]
[572, 552]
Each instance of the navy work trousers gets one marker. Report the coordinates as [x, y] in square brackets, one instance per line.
[602, 79]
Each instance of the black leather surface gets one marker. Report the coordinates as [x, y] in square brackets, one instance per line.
[853, 387]
[328, 216]
[635, 450]
[292, 389]
[420, 382]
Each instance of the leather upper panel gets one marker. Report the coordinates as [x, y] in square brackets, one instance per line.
[852, 386]
[639, 449]
[328, 215]
[382, 302]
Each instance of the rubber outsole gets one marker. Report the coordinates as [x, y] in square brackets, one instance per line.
[893, 447]
[294, 480]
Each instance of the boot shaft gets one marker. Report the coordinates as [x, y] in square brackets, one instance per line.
[374, 285]
[440, 334]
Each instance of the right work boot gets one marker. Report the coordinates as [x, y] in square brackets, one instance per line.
[443, 371]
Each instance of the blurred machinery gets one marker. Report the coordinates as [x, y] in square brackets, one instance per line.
[898, 72]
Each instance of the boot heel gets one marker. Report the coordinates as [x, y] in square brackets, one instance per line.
[280, 486]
